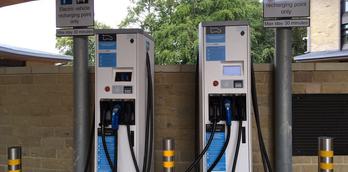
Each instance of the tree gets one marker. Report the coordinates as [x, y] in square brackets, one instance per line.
[174, 26]
[65, 44]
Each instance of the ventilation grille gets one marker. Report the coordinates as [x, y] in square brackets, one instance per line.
[316, 115]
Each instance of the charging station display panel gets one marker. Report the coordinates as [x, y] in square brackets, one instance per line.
[232, 70]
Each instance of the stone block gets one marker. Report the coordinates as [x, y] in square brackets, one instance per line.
[331, 66]
[263, 67]
[65, 153]
[340, 168]
[321, 76]
[312, 88]
[31, 162]
[303, 66]
[339, 159]
[334, 88]
[27, 79]
[260, 77]
[42, 152]
[301, 160]
[63, 132]
[188, 68]
[303, 76]
[299, 88]
[167, 68]
[57, 164]
[53, 142]
[45, 79]
[309, 168]
[65, 69]
[44, 69]
[10, 79]
[18, 70]
[64, 79]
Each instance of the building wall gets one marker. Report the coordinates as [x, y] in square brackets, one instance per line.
[325, 25]
[36, 112]
[38, 63]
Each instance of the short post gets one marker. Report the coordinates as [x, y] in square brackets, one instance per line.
[168, 155]
[14, 159]
[325, 154]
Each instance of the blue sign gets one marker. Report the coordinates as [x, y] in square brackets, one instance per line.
[102, 162]
[216, 53]
[107, 45]
[215, 38]
[214, 150]
[107, 60]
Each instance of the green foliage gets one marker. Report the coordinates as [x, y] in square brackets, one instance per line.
[65, 44]
[174, 26]
[299, 45]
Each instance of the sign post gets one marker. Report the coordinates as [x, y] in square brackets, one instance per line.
[76, 18]
[279, 14]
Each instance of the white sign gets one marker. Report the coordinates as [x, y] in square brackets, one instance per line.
[74, 13]
[286, 8]
[73, 32]
[286, 23]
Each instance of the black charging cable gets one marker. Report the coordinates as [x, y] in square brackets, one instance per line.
[148, 147]
[228, 110]
[132, 150]
[265, 159]
[105, 147]
[90, 146]
[239, 138]
[200, 156]
[212, 166]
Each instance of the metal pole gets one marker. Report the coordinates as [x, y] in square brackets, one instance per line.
[14, 155]
[283, 101]
[81, 113]
[325, 154]
[168, 155]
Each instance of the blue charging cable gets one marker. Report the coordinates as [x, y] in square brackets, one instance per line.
[228, 110]
[115, 117]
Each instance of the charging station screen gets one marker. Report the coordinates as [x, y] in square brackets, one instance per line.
[232, 70]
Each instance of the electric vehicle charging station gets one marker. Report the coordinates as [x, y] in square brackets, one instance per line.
[225, 96]
[124, 101]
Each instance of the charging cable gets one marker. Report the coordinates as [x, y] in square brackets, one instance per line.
[114, 126]
[228, 111]
[200, 156]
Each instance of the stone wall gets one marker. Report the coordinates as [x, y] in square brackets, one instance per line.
[325, 25]
[36, 112]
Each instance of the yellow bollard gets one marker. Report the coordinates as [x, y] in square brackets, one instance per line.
[168, 155]
[14, 159]
[325, 154]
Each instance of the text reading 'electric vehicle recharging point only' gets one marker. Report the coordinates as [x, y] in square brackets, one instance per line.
[225, 97]
[124, 101]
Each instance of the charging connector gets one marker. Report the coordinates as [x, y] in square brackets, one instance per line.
[115, 117]
[228, 110]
